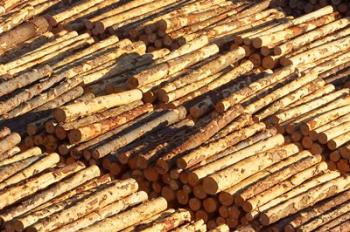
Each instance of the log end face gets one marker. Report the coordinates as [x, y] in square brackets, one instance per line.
[210, 186]
[257, 42]
[192, 179]
[264, 219]
[59, 115]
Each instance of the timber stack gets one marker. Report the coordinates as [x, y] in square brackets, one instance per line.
[182, 108]
[300, 7]
[289, 42]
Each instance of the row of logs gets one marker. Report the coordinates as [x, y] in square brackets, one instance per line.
[73, 197]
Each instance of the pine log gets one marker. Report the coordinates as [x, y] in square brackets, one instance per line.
[15, 193]
[168, 117]
[110, 194]
[262, 146]
[79, 109]
[9, 142]
[306, 199]
[210, 149]
[28, 30]
[218, 181]
[105, 212]
[284, 186]
[44, 163]
[130, 217]
[88, 132]
[17, 155]
[199, 138]
[262, 83]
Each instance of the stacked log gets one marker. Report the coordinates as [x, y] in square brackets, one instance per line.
[299, 7]
[290, 41]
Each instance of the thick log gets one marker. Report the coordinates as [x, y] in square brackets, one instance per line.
[218, 181]
[199, 138]
[9, 142]
[28, 30]
[80, 109]
[110, 194]
[262, 146]
[304, 200]
[130, 217]
[105, 212]
[16, 193]
[27, 171]
[168, 117]
[262, 83]
[327, 135]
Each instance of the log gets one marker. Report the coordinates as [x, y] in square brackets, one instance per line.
[80, 109]
[9, 142]
[333, 132]
[307, 107]
[326, 218]
[168, 117]
[24, 80]
[318, 33]
[27, 171]
[16, 193]
[171, 222]
[262, 83]
[110, 194]
[226, 161]
[88, 132]
[218, 181]
[281, 92]
[105, 212]
[198, 225]
[304, 200]
[98, 116]
[319, 52]
[219, 122]
[289, 99]
[16, 155]
[29, 93]
[206, 151]
[170, 67]
[130, 217]
[338, 141]
[11, 169]
[28, 30]
[284, 186]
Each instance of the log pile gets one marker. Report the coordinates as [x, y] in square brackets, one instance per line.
[290, 41]
[299, 7]
[198, 122]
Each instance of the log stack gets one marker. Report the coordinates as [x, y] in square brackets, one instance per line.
[299, 7]
[289, 42]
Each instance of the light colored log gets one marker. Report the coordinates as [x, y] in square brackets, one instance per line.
[262, 146]
[306, 199]
[130, 217]
[219, 181]
[110, 194]
[16, 193]
[44, 163]
[9, 142]
[105, 212]
[240, 95]
[97, 104]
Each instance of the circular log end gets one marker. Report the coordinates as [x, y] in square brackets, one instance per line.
[59, 115]
[74, 136]
[277, 51]
[192, 179]
[162, 166]
[264, 219]
[322, 138]
[181, 163]
[289, 228]
[226, 198]
[332, 145]
[247, 206]
[257, 42]
[210, 186]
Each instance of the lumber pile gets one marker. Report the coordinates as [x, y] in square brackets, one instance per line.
[299, 7]
[289, 42]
